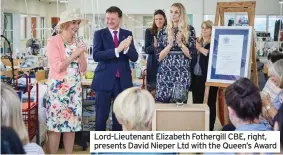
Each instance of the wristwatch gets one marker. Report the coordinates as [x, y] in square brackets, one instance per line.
[268, 107]
[182, 46]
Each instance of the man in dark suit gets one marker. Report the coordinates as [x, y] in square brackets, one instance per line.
[113, 47]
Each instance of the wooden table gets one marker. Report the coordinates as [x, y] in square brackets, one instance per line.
[188, 117]
[8, 72]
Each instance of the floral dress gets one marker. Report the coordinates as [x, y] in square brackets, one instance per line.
[64, 103]
[174, 68]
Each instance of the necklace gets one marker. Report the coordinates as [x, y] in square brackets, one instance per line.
[66, 42]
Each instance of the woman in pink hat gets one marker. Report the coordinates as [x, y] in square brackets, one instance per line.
[67, 63]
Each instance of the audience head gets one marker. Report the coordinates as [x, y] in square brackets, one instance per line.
[277, 74]
[274, 56]
[206, 28]
[134, 109]
[244, 102]
[10, 142]
[159, 21]
[113, 17]
[178, 16]
[12, 112]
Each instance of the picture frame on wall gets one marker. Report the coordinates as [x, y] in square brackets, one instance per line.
[190, 19]
[230, 53]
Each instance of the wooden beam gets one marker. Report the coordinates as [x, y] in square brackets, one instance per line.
[216, 21]
[216, 84]
[236, 5]
[222, 19]
[235, 9]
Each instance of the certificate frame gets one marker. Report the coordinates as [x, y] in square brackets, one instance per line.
[245, 65]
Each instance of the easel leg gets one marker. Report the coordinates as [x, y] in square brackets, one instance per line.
[206, 94]
[223, 109]
[221, 106]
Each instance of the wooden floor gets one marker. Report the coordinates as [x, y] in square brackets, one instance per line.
[77, 150]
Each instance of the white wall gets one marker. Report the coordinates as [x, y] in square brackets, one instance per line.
[263, 7]
[135, 8]
[196, 7]
[33, 8]
[138, 7]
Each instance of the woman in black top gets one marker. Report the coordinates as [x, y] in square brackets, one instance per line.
[199, 72]
[159, 22]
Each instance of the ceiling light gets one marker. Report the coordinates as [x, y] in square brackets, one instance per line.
[63, 1]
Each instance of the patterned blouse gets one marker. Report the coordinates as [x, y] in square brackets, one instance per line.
[162, 41]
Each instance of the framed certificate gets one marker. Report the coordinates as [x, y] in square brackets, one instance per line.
[230, 52]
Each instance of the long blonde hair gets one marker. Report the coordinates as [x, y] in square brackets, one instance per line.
[11, 112]
[182, 24]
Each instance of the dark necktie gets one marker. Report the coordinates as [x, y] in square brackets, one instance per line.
[116, 42]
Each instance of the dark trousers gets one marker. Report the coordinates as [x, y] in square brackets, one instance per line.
[103, 105]
[198, 89]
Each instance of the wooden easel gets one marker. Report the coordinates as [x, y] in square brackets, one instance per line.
[221, 8]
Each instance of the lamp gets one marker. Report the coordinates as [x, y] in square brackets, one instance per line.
[280, 1]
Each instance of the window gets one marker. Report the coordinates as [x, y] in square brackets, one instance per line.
[260, 23]
[147, 21]
[23, 26]
[242, 20]
[8, 31]
[28, 26]
[228, 18]
[42, 26]
[271, 24]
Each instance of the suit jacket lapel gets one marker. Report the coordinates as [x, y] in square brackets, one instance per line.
[109, 38]
[121, 35]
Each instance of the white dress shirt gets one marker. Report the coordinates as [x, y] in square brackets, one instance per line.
[112, 33]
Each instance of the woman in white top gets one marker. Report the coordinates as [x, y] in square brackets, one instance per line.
[12, 117]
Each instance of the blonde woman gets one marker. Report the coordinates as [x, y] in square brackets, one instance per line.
[199, 72]
[67, 63]
[11, 116]
[134, 109]
[176, 46]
